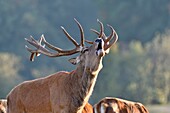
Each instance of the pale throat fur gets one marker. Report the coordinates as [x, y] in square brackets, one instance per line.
[85, 78]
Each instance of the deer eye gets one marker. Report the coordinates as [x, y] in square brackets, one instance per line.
[84, 50]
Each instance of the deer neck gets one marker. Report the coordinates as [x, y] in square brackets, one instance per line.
[84, 78]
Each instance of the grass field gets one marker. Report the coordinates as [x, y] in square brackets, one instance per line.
[159, 108]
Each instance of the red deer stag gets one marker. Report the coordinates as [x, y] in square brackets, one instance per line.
[62, 92]
[116, 105]
[3, 105]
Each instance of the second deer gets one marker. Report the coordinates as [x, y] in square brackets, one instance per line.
[117, 105]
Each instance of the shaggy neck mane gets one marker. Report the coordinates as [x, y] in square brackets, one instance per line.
[82, 87]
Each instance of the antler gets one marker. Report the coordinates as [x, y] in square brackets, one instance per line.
[40, 49]
[113, 34]
[102, 35]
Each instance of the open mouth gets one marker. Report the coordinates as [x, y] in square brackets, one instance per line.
[99, 50]
[99, 46]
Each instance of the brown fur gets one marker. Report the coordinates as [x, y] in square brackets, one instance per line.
[116, 105]
[88, 108]
[3, 105]
[62, 92]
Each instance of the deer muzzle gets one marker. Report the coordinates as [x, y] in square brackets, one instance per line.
[100, 47]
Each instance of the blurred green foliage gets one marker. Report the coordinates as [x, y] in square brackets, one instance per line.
[139, 72]
[137, 68]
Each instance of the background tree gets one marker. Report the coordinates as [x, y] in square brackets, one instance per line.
[157, 50]
[9, 70]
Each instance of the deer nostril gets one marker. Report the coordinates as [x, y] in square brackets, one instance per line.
[98, 40]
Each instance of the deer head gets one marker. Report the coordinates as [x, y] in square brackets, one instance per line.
[88, 55]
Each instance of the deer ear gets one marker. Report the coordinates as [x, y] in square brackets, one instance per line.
[74, 61]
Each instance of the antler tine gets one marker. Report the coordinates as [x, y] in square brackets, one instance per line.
[36, 44]
[32, 56]
[95, 31]
[101, 34]
[115, 39]
[90, 42]
[81, 32]
[111, 35]
[41, 50]
[32, 39]
[59, 49]
[103, 37]
[50, 45]
[33, 42]
[101, 28]
[69, 37]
